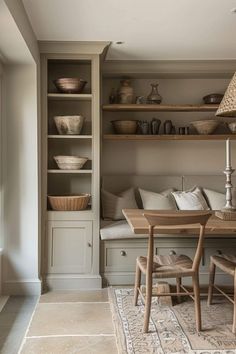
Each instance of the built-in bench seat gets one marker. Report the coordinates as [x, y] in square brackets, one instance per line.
[120, 247]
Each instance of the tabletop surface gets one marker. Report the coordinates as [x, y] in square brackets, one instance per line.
[214, 226]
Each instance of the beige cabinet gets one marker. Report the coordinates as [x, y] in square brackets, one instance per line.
[118, 257]
[69, 247]
[70, 238]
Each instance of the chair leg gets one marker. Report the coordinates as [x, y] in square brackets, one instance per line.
[234, 317]
[197, 302]
[178, 289]
[137, 284]
[212, 270]
[148, 302]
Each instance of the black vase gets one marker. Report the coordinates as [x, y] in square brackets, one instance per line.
[168, 127]
[155, 125]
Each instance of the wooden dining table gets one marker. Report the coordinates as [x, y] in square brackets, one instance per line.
[215, 227]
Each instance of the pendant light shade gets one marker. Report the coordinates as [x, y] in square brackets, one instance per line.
[227, 107]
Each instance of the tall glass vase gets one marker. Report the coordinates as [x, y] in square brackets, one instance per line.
[154, 97]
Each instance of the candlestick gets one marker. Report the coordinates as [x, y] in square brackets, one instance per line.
[228, 155]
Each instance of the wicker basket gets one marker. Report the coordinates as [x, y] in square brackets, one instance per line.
[69, 202]
[125, 126]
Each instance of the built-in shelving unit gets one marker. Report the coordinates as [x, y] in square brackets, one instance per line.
[159, 108]
[139, 137]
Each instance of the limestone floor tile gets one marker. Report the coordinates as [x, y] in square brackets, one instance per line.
[71, 318]
[75, 296]
[70, 345]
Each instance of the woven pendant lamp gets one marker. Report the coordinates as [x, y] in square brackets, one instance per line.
[227, 107]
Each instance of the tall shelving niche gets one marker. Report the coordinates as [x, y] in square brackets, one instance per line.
[70, 240]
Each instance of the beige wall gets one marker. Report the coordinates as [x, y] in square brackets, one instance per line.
[166, 157]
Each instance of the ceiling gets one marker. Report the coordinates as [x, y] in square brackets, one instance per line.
[149, 30]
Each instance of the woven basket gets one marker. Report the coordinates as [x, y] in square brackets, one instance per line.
[69, 203]
[125, 126]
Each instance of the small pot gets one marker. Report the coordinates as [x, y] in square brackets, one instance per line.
[232, 127]
[213, 98]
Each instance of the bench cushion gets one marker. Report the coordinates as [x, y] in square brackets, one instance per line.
[112, 230]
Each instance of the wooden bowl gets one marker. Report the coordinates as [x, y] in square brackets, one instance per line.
[213, 98]
[70, 84]
[70, 162]
[69, 125]
[205, 127]
[125, 126]
[69, 202]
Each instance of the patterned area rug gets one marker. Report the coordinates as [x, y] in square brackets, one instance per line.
[172, 329]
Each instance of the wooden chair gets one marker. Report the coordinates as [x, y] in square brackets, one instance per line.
[227, 263]
[173, 266]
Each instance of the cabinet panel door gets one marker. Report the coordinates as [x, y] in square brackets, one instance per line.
[69, 247]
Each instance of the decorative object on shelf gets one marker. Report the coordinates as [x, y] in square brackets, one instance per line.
[232, 127]
[227, 107]
[213, 98]
[173, 130]
[70, 162]
[206, 126]
[168, 127]
[125, 92]
[140, 100]
[69, 202]
[69, 125]
[183, 130]
[125, 126]
[143, 127]
[229, 211]
[112, 96]
[155, 125]
[154, 97]
[70, 84]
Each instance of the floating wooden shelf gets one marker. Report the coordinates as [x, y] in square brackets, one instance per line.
[70, 96]
[55, 136]
[159, 108]
[69, 171]
[133, 137]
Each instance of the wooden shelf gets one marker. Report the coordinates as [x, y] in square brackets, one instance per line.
[55, 136]
[69, 171]
[70, 96]
[133, 137]
[159, 108]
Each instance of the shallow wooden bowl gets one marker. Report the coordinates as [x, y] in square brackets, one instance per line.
[70, 84]
[206, 126]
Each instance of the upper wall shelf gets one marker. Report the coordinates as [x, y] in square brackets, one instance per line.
[140, 137]
[159, 108]
[69, 96]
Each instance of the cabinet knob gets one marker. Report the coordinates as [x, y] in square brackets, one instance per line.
[172, 253]
[89, 244]
[123, 253]
[219, 252]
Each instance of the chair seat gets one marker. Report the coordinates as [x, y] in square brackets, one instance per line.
[168, 266]
[227, 263]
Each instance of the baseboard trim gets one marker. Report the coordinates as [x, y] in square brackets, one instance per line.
[72, 282]
[22, 287]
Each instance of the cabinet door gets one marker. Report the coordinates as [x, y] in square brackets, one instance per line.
[69, 246]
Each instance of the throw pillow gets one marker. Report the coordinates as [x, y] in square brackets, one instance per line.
[190, 200]
[158, 201]
[216, 200]
[112, 204]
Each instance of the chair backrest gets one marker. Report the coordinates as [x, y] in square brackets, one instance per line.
[164, 218]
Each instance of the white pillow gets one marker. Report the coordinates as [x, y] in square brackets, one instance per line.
[112, 204]
[217, 200]
[190, 200]
[159, 201]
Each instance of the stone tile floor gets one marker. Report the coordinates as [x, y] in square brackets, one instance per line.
[71, 322]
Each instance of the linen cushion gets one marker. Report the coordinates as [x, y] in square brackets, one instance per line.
[158, 201]
[190, 200]
[112, 204]
[217, 200]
